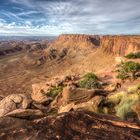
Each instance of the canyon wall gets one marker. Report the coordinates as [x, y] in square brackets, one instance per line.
[77, 41]
[120, 45]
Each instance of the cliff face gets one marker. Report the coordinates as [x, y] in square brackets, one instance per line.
[120, 45]
[116, 45]
[78, 41]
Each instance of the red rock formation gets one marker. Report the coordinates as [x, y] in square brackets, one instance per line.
[120, 45]
[77, 40]
[117, 45]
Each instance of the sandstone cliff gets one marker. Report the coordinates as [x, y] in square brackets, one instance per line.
[117, 45]
[77, 40]
[120, 45]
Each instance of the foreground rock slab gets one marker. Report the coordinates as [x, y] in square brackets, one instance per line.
[78, 125]
[26, 113]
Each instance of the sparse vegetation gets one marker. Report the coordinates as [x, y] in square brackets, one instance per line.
[89, 81]
[128, 70]
[133, 55]
[124, 102]
[124, 108]
[54, 91]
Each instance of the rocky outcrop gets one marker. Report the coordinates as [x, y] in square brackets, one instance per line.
[73, 94]
[39, 93]
[13, 102]
[73, 98]
[93, 105]
[69, 126]
[40, 90]
[120, 45]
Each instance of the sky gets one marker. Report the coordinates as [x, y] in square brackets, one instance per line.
[54, 17]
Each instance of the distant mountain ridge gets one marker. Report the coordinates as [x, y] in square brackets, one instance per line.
[26, 38]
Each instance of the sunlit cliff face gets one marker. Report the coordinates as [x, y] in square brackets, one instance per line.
[53, 17]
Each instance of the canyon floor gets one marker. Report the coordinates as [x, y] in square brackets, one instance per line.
[40, 96]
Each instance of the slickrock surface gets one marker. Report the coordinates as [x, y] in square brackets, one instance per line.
[69, 126]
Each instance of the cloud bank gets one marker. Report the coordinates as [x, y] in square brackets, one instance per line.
[53, 17]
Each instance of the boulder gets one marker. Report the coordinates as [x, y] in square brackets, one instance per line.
[38, 92]
[73, 94]
[25, 113]
[91, 105]
[13, 102]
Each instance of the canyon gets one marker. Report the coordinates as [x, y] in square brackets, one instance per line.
[29, 70]
[25, 61]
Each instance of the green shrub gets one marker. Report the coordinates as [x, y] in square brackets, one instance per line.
[128, 70]
[133, 55]
[54, 91]
[122, 75]
[91, 76]
[90, 81]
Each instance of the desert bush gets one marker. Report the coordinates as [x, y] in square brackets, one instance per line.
[123, 102]
[128, 70]
[124, 108]
[133, 55]
[54, 91]
[117, 97]
[122, 75]
[90, 80]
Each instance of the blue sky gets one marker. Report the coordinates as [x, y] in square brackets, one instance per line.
[54, 17]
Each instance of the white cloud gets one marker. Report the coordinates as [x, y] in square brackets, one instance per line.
[74, 16]
[27, 13]
[29, 29]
